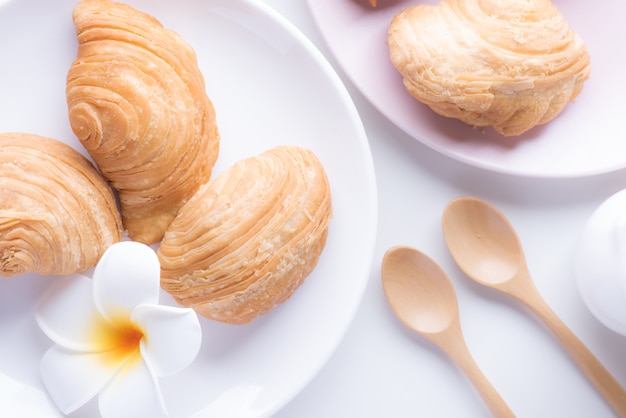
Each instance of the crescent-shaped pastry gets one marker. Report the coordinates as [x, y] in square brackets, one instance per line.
[137, 102]
[509, 64]
[57, 213]
[248, 239]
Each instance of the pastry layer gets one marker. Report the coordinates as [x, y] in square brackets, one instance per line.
[247, 240]
[509, 64]
[137, 102]
[57, 213]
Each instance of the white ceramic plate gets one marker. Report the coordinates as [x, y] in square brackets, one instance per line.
[587, 138]
[270, 86]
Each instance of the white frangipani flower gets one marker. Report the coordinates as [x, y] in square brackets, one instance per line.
[111, 337]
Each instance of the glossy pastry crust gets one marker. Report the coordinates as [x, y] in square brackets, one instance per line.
[509, 64]
[248, 239]
[137, 102]
[57, 213]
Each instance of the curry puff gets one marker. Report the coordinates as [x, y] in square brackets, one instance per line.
[248, 239]
[57, 214]
[509, 64]
[137, 102]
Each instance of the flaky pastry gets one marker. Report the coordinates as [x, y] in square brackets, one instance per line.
[57, 213]
[509, 64]
[137, 102]
[248, 239]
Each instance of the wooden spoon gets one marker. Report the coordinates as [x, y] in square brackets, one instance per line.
[487, 249]
[423, 298]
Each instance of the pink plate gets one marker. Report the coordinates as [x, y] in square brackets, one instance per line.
[586, 138]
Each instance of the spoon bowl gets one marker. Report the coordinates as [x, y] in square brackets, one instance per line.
[418, 291]
[486, 247]
[423, 298]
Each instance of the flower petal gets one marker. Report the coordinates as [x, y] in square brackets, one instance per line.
[134, 392]
[72, 379]
[68, 315]
[127, 275]
[172, 337]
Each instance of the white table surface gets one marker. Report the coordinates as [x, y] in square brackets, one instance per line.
[382, 370]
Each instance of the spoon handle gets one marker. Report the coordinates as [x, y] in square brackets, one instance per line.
[599, 376]
[459, 352]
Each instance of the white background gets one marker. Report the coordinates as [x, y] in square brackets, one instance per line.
[382, 370]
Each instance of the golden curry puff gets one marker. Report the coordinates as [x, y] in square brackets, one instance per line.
[509, 64]
[137, 101]
[248, 239]
[57, 213]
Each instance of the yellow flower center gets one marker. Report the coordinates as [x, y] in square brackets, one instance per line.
[123, 337]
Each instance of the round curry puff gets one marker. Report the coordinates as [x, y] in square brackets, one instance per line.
[248, 239]
[509, 64]
[137, 102]
[57, 213]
